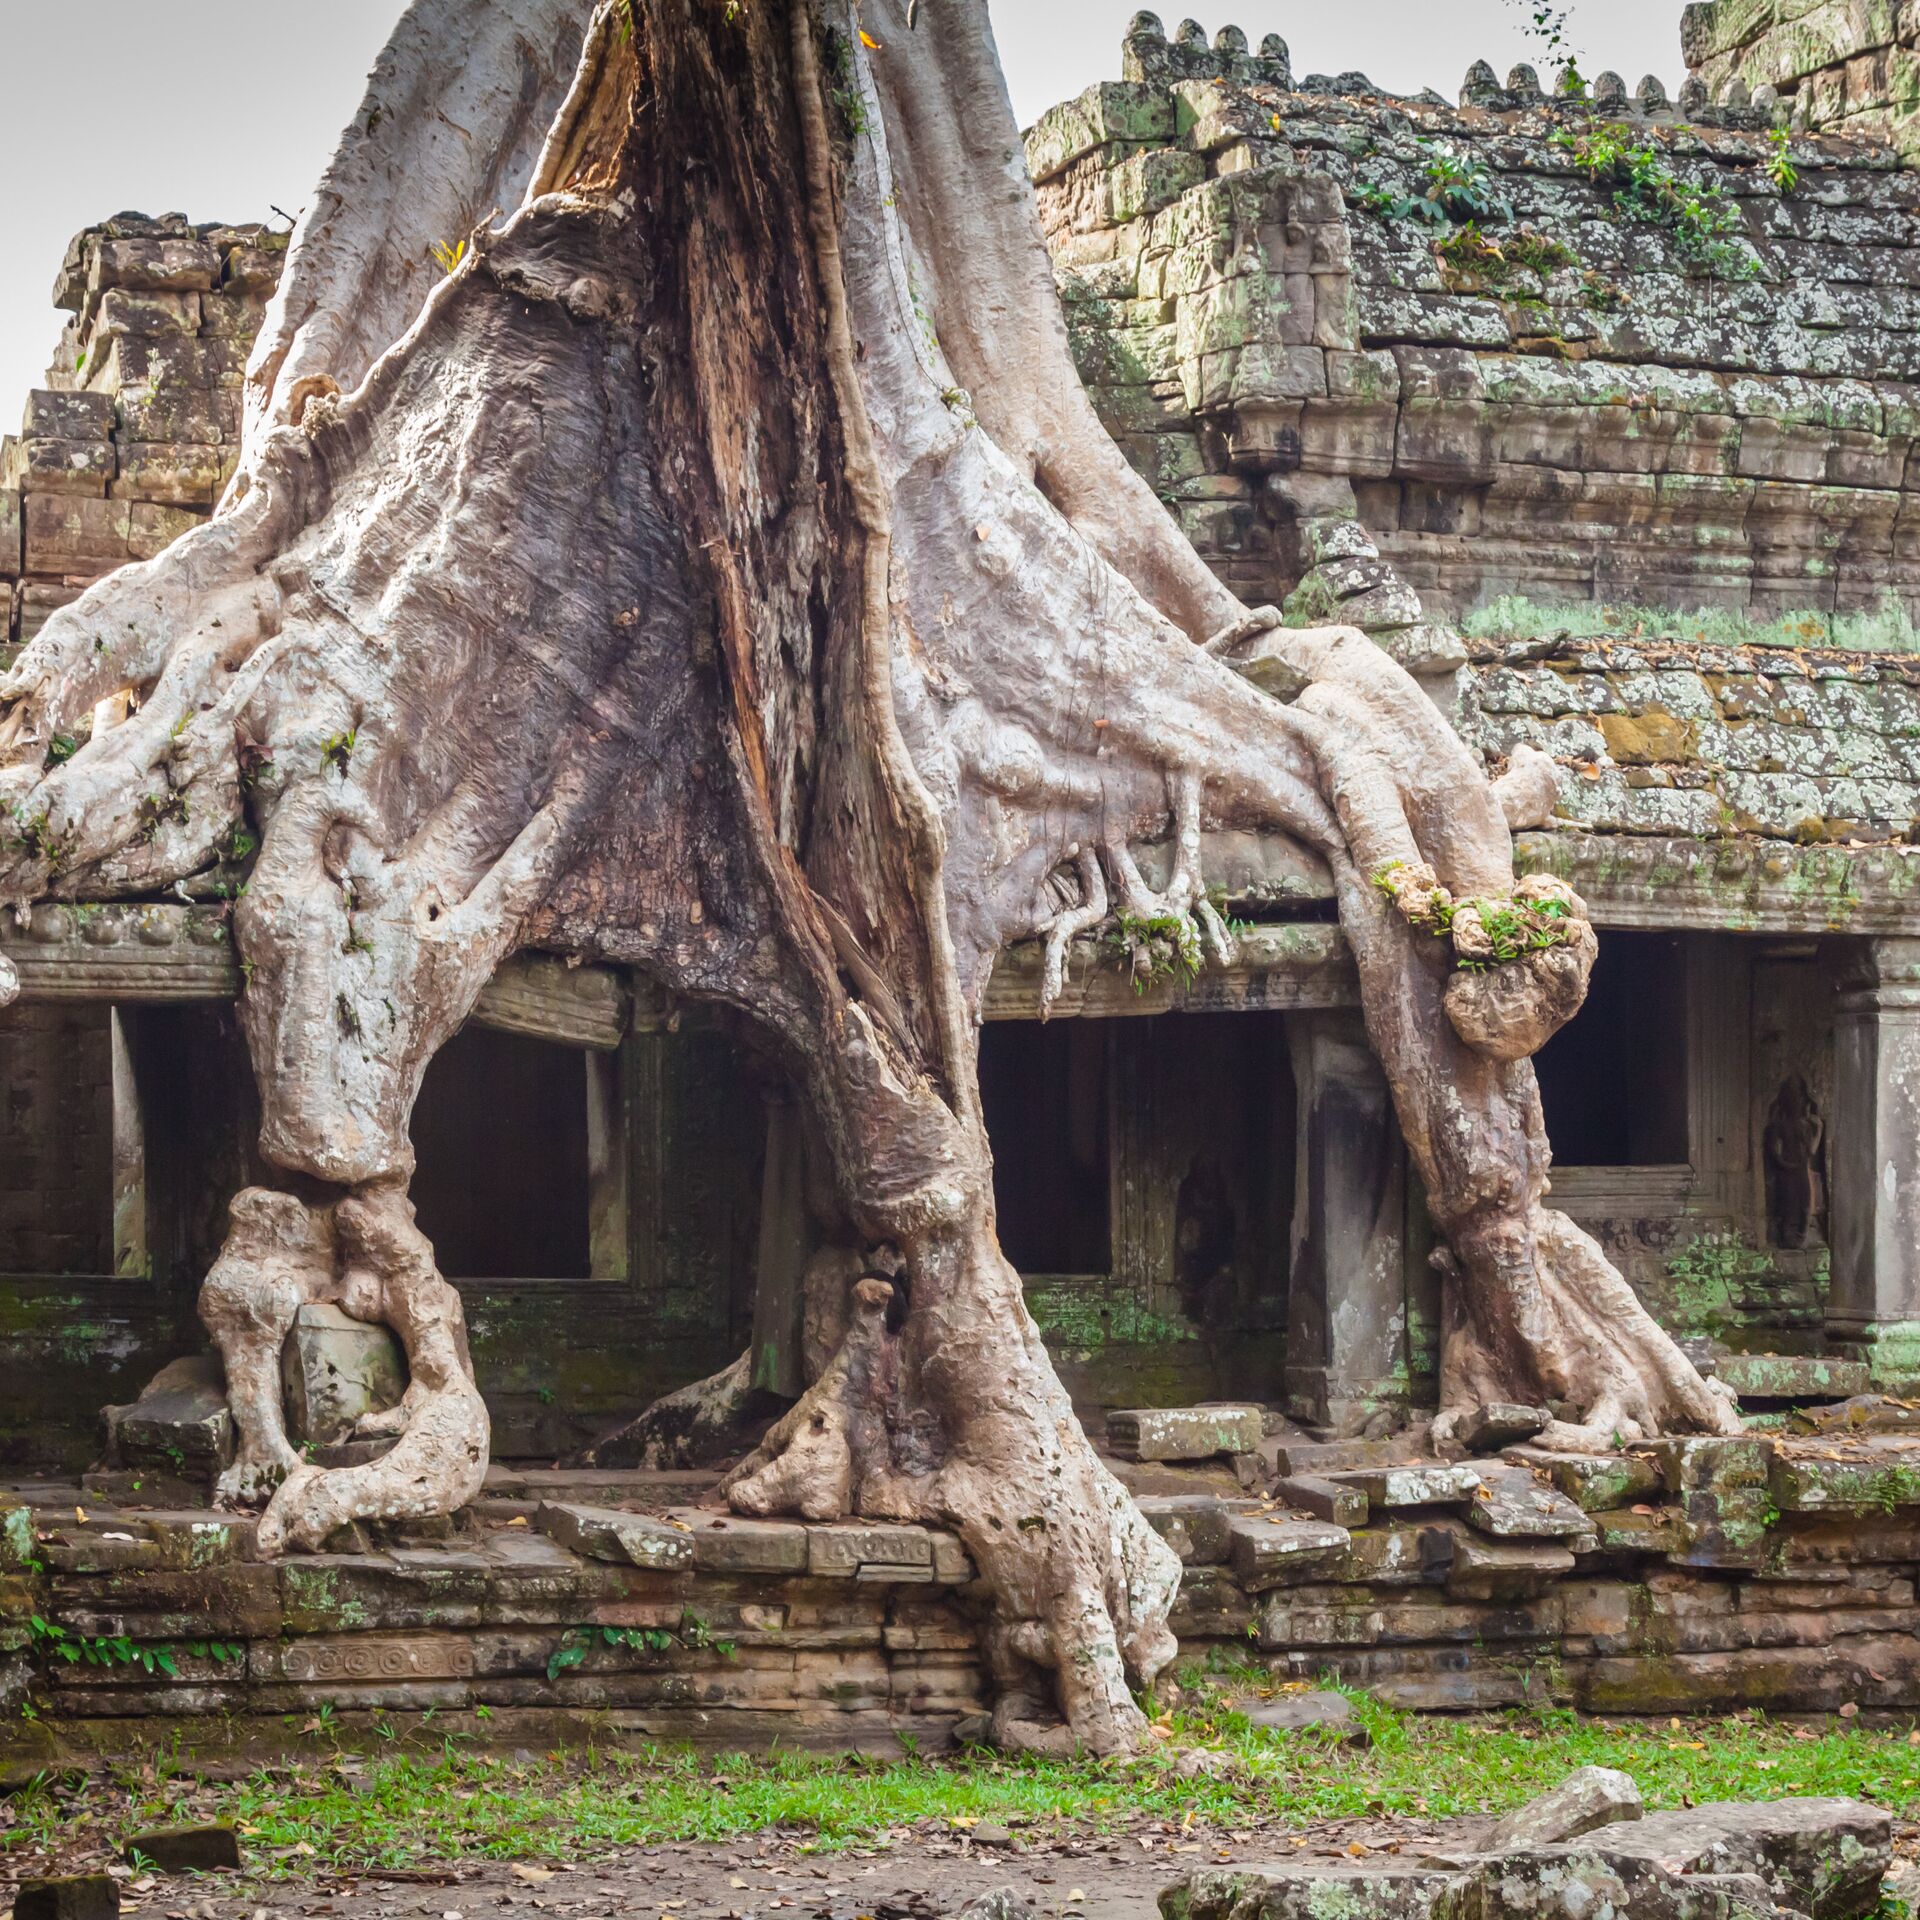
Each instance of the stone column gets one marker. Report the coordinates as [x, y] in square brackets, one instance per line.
[1874, 1161]
[1346, 1294]
[786, 1242]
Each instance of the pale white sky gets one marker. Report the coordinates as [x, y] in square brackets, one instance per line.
[221, 109]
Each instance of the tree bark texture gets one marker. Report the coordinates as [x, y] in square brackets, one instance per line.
[721, 572]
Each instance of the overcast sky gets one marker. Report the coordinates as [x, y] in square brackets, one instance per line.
[223, 109]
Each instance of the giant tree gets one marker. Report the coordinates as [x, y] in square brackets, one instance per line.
[721, 572]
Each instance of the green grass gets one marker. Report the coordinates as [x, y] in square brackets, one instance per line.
[409, 1807]
[1887, 629]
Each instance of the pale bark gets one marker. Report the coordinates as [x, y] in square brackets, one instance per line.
[773, 617]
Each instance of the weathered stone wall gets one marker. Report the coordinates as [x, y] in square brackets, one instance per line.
[1844, 66]
[1663, 737]
[1686, 1576]
[1574, 403]
[139, 425]
[56, 1144]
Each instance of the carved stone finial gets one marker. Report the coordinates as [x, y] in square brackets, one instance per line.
[1481, 87]
[1736, 93]
[1523, 79]
[1145, 26]
[1190, 33]
[1766, 99]
[1693, 94]
[1610, 90]
[1274, 48]
[1276, 61]
[1651, 93]
[1230, 40]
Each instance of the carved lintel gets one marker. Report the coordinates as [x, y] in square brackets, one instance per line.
[1277, 969]
[159, 954]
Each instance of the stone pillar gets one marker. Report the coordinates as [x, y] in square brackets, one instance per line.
[1346, 1295]
[1874, 1162]
[609, 1166]
[786, 1242]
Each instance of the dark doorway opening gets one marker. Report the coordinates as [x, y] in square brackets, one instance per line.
[500, 1132]
[1044, 1093]
[1613, 1081]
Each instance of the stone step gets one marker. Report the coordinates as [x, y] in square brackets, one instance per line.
[605, 1533]
[1760, 1377]
[1267, 1552]
[1343, 1504]
[1184, 1433]
[1512, 1505]
[1431, 1485]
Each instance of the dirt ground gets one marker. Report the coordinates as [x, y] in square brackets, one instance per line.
[915, 1874]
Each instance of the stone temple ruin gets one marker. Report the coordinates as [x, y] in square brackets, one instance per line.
[1630, 479]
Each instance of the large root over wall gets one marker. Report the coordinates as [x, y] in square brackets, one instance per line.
[778, 620]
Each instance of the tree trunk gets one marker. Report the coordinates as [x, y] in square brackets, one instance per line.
[725, 575]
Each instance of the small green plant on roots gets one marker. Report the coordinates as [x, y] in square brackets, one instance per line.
[1509, 930]
[1157, 947]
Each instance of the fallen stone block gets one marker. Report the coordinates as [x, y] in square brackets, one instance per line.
[1504, 1568]
[1823, 1856]
[1595, 1482]
[1587, 1799]
[1266, 1552]
[1321, 1710]
[1345, 1506]
[81, 1896]
[606, 1533]
[1197, 1526]
[180, 1422]
[1512, 1505]
[184, 1849]
[1183, 1433]
[1305, 1893]
[1488, 1428]
[1793, 1376]
[1707, 1463]
[336, 1371]
[1866, 1413]
[1560, 1883]
[1002, 1903]
[1425, 1486]
[1875, 1480]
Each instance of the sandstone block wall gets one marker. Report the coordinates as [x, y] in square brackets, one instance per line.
[1589, 412]
[1682, 1576]
[1844, 66]
[138, 426]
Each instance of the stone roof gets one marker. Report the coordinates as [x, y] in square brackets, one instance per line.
[1570, 394]
[1659, 736]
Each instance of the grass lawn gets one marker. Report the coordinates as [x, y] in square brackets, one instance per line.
[410, 1806]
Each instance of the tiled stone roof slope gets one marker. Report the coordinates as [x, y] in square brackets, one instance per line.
[1662, 737]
